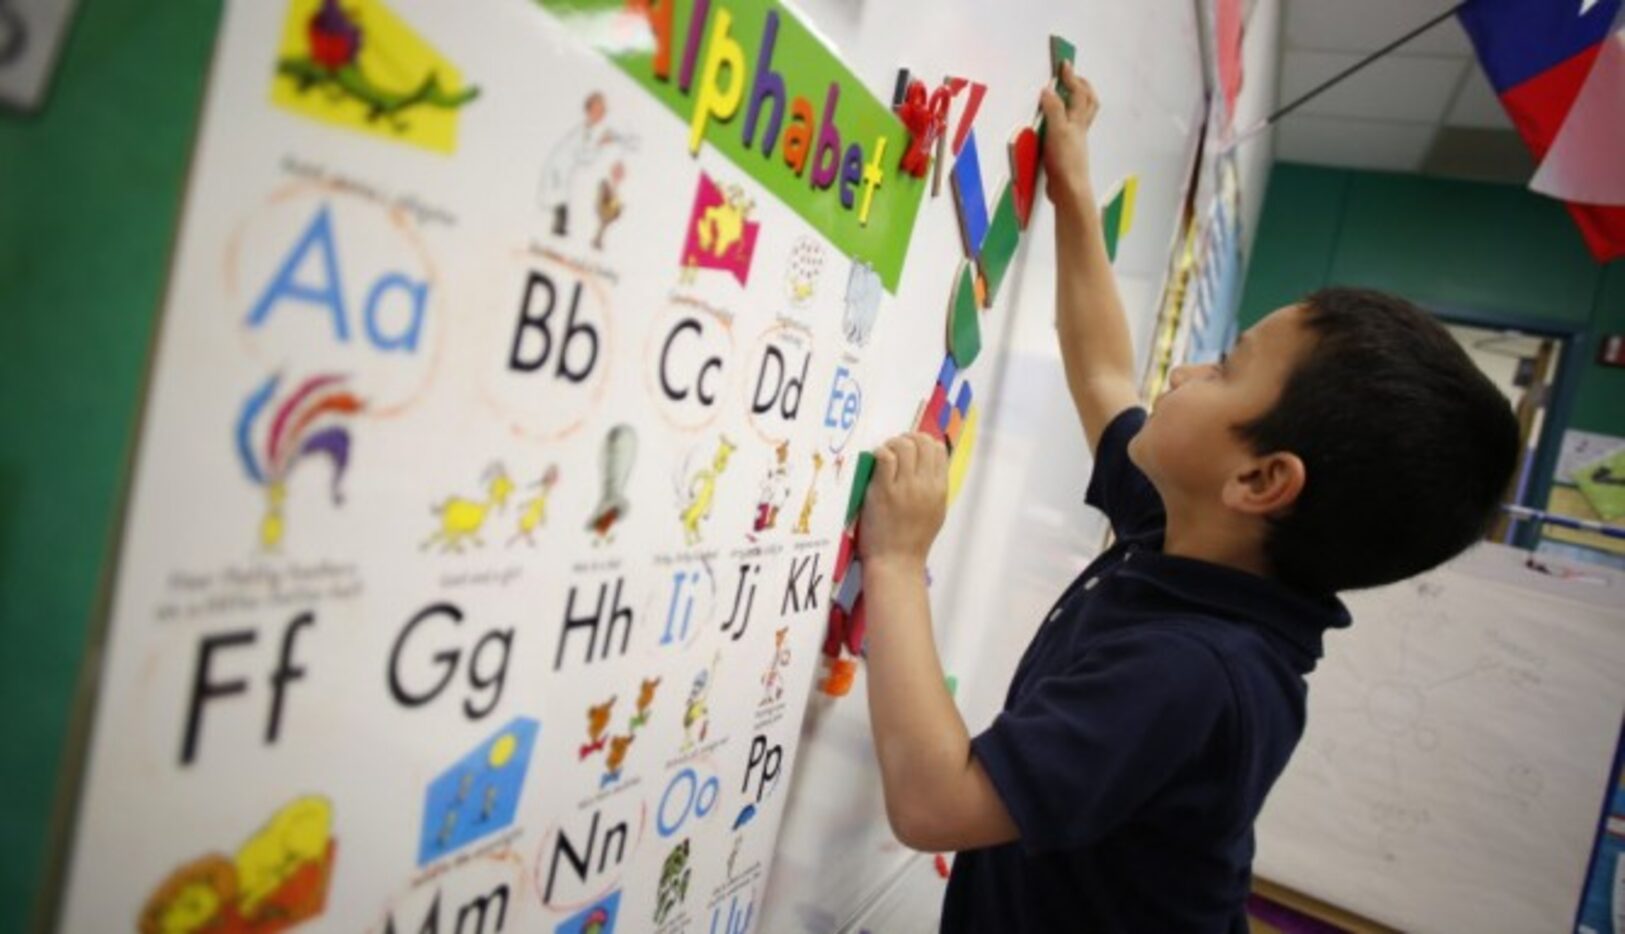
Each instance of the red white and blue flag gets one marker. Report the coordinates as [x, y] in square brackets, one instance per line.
[1559, 68]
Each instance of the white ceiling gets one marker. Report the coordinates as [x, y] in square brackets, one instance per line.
[1393, 113]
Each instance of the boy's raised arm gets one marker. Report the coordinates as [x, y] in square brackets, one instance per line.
[1089, 320]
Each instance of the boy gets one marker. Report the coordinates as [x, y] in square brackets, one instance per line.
[1345, 442]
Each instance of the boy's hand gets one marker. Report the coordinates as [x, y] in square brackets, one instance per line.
[1066, 142]
[907, 500]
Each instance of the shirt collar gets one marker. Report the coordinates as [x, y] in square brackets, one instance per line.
[1299, 618]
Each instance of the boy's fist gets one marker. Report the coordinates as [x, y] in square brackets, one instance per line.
[1066, 143]
[907, 499]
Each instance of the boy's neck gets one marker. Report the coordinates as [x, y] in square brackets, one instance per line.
[1211, 539]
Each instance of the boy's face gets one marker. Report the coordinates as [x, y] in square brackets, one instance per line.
[1188, 448]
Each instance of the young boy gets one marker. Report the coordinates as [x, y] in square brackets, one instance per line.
[1345, 442]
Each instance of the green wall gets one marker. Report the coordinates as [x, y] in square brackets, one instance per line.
[89, 192]
[1487, 248]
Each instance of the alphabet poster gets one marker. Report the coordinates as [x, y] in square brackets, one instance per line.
[494, 481]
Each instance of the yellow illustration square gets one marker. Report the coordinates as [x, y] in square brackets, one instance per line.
[392, 83]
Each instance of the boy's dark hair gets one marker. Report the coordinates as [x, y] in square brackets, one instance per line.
[1406, 445]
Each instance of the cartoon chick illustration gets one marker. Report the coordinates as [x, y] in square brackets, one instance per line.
[533, 512]
[461, 519]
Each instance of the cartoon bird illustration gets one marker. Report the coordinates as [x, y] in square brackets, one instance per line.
[461, 519]
[646, 699]
[804, 521]
[335, 39]
[533, 514]
[335, 36]
[597, 723]
[311, 420]
[702, 491]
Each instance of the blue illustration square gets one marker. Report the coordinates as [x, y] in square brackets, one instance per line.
[478, 795]
[597, 918]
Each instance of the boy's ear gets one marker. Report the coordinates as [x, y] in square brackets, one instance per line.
[1266, 485]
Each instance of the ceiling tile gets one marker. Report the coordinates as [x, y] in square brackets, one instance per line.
[1476, 104]
[1397, 87]
[1358, 144]
[1368, 25]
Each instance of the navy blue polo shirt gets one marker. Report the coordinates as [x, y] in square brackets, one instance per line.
[1145, 724]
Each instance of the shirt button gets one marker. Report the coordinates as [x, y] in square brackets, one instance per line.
[1091, 582]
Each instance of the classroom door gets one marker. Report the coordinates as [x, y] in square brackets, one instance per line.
[1524, 367]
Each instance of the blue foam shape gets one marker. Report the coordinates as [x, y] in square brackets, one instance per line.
[971, 197]
[962, 404]
[851, 585]
[604, 911]
[474, 798]
[945, 376]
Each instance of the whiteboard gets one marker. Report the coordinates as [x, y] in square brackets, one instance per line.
[1021, 531]
[1457, 754]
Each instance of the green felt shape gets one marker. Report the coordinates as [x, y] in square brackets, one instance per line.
[1111, 220]
[1060, 51]
[999, 247]
[860, 485]
[964, 328]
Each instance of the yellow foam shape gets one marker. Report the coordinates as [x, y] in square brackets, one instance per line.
[959, 463]
[1131, 187]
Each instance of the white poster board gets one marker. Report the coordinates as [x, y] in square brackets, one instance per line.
[458, 586]
[476, 562]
